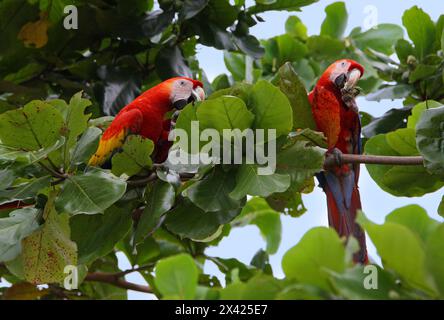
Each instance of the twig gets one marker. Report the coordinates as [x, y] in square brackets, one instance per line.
[141, 268]
[53, 172]
[115, 279]
[143, 181]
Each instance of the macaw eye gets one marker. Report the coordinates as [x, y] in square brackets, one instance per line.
[182, 83]
[343, 64]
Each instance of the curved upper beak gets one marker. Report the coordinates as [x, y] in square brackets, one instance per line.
[348, 80]
[197, 94]
[353, 77]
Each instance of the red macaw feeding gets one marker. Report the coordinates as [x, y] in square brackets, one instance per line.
[336, 115]
[146, 116]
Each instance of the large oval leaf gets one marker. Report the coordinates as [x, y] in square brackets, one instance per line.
[90, 193]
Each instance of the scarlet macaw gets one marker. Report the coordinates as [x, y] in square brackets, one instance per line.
[145, 116]
[336, 115]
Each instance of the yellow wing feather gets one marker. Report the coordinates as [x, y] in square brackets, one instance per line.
[106, 148]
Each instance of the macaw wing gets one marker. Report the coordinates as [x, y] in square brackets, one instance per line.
[326, 111]
[125, 123]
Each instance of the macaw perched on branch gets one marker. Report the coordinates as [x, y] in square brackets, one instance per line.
[146, 116]
[336, 115]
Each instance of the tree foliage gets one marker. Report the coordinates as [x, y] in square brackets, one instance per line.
[60, 86]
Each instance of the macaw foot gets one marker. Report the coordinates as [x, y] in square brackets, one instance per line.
[336, 155]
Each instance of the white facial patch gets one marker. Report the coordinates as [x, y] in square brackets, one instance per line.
[181, 90]
[340, 68]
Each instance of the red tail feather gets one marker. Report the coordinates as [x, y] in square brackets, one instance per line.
[345, 222]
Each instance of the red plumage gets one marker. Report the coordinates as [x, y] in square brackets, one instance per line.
[335, 112]
[144, 116]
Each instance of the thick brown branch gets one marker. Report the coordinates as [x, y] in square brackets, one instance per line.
[334, 159]
[116, 280]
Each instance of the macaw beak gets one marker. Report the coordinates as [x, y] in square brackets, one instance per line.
[353, 77]
[197, 94]
[348, 81]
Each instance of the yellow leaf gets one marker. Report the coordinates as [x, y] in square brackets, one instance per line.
[35, 33]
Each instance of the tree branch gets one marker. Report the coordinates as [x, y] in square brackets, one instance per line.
[334, 159]
[115, 279]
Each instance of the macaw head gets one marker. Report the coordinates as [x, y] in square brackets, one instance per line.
[183, 90]
[342, 74]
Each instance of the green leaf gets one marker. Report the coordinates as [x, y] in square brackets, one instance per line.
[417, 111]
[389, 121]
[35, 126]
[170, 62]
[120, 87]
[259, 213]
[393, 92]
[25, 191]
[295, 27]
[26, 73]
[336, 21]
[100, 290]
[249, 182]
[325, 47]
[290, 84]
[160, 198]
[224, 113]
[86, 146]
[235, 63]
[301, 161]
[404, 49]
[435, 257]
[220, 82]
[289, 49]
[319, 251]
[81, 194]
[233, 269]
[271, 108]
[135, 156]
[288, 202]
[410, 181]
[212, 192]
[350, 284]
[415, 218]
[421, 72]
[13, 154]
[391, 240]
[190, 8]
[19, 224]
[429, 139]
[54, 8]
[96, 235]
[421, 30]
[402, 141]
[189, 221]
[76, 121]
[260, 287]
[314, 138]
[382, 38]
[47, 251]
[286, 5]
[176, 277]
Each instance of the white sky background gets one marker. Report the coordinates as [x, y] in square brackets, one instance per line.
[243, 243]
